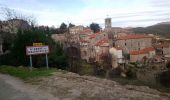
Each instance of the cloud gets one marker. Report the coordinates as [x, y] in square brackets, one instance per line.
[123, 12]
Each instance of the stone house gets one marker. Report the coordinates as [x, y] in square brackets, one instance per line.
[163, 49]
[117, 57]
[101, 48]
[133, 42]
[139, 55]
[76, 29]
[84, 50]
[58, 38]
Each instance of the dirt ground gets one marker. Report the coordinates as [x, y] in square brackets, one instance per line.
[12, 88]
[71, 86]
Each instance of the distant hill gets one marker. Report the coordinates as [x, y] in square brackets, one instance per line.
[162, 29]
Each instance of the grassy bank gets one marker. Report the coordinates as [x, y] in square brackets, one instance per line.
[24, 72]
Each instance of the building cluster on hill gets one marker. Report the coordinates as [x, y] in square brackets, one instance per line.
[121, 44]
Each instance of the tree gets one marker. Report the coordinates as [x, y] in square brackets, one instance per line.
[10, 14]
[71, 25]
[95, 27]
[63, 28]
[7, 39]
[57, 57]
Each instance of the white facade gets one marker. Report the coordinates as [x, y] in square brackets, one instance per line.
[117, 56]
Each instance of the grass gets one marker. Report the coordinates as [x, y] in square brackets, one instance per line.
[125, 81]
[25, 73]
[86, 69]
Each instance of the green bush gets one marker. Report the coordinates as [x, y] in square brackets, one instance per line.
[18, 57]
[164, 78]
[25, 73]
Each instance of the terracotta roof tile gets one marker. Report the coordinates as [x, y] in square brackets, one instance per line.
[118, 48]
[162, 45]
[143, 51]
[132, 37]
[94, 35]
[87, 30]
[101, 42]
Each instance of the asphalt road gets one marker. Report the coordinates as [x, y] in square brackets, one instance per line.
[14, 89]
[7, 92]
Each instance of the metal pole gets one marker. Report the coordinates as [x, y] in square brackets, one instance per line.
[46, 60]
[30, 62]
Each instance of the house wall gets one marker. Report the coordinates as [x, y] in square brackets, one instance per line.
[166, 51]
[99, 50]
[84, 51]
[152, 54]
[134, 44]
[134, 58]
[76, 29]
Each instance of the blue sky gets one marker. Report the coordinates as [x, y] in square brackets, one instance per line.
[124, 13]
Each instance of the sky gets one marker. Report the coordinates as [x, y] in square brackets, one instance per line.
[124, 13]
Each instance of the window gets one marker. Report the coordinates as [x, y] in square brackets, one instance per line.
[138, 43]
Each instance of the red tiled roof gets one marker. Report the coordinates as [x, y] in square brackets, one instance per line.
[118, 48]
[148, 49]
[94, 35]
[137, 52]
[132, 37]
[162, 45]
[143, 51]
[101, 42]
[87, 30]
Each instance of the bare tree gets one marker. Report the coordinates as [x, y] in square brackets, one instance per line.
[10, 14]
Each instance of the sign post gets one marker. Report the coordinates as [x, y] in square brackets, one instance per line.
[46, 60]
[37, 50]
[30, 62]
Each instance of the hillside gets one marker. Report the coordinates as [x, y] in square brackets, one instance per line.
[71, 86]
[161, 29]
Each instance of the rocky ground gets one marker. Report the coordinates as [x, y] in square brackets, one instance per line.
[70, 86]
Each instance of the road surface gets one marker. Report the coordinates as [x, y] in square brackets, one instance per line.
[14, 89]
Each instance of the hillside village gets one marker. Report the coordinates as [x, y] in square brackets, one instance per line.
[112, 51]
[122, 44]
[111, 48]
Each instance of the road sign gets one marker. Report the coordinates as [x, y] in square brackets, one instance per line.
[37, 44]
[35, 50]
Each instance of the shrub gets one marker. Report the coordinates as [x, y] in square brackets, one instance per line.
[164, 78]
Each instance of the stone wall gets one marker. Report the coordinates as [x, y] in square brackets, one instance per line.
[134, 44]
[166, 51]
[134, 58]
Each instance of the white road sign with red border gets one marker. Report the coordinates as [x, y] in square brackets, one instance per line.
[35, 50]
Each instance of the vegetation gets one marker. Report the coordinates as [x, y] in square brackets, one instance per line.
[25, 73]
[95, 27]
[8, 38]
[86, 68]
[18, 56]
[63, 28]
[164, 77]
